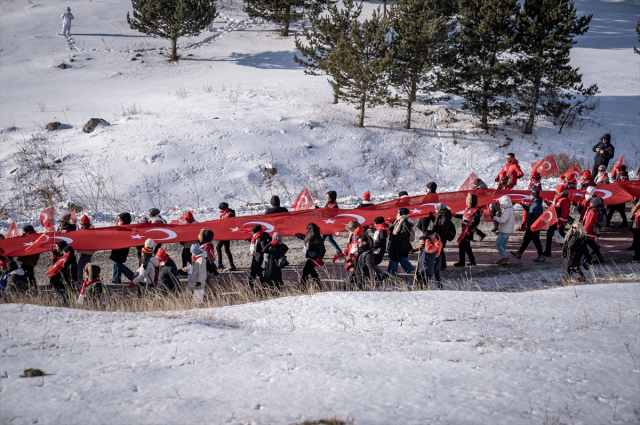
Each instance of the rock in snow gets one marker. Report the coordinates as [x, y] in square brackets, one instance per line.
[91, 125]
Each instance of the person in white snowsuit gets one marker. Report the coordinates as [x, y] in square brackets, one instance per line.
[67, 17]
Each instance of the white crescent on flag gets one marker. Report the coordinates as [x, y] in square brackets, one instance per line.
[267, 225]
[170, 234]
[605, 192]
[356, 216]
[67, 240]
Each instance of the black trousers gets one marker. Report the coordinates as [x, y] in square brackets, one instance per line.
[465, 248]
[530, 236]
[551, 237]
[227, 250]
[443, 263]
[595, 250]
[636, 242]
[186, 257]
[309, 270]
[30, 276]
[253, 274]
[620, 208]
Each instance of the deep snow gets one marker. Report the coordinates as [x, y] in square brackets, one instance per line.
[556, 356]
[191, 148]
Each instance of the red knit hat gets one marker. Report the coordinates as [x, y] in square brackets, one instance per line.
[162, 255]
[358, 232]
[366, 196]
[560, 188]
[85, 220]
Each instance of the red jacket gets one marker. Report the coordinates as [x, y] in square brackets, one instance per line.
[590, 221]
[563, 208]
[513, 170]
[583, 207]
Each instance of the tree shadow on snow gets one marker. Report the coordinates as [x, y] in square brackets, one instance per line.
[112, 35]
[265, 60]
[612, 26]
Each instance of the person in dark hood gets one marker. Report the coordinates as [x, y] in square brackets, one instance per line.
[119, 256]
[167, 274]
[442, 224]
[259, 241]
[403, 194]
[432, 187]
[604, 152]
[225, 212]
[366, 200]
[314, 252]
[534, 211]
[65, 280]
[402, 233]
[275, 206]
[364, 271]
[331, 202]
[275, 252]
[155, 217]
[381, 233]
[29, 262]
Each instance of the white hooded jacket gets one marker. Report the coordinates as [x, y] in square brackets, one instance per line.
[507, 219]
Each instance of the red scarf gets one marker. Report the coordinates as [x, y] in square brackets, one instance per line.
[195, 258]
[255, 237]
[382, 226]
[86, 283]
[208, 247]
[224, 213]
[467, 219]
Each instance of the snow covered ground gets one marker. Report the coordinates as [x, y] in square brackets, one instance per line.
[568, 355]
[202, 130]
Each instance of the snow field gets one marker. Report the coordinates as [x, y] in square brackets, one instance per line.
[567, 355]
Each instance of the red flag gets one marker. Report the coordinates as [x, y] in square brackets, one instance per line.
[73, 219]
[46, 218]
[548, 218]
[487, 214]
[186, 218]
[12, 231]
[617, 166]
[575, 170]
[469, 182]
[304, 201]
[546, 166]
[55, 269]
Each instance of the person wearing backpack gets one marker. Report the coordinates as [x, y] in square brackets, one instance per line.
[275, 259]
[93, 290]
[225, 212]
[259, 240]
[594, 221]
[314, 252]
[429, 259]
[506, 221]
[534, 211]
[402, 233]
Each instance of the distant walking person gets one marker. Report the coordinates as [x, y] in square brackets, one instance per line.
[67, 17]
[534, 211]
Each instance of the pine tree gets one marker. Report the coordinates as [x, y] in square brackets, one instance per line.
[361, 63]
[483, 72]
[322, 37]
[422, 36]
[172, 19]
[546, 81]
[281, 11]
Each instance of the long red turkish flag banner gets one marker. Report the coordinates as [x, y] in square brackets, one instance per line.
[330, 220]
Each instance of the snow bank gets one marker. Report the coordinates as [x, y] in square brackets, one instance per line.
[564, 355]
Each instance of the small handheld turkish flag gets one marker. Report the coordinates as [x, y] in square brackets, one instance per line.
[617, 166]
[548, 218]
[469, 182]
[546, 166]
[487, 215]
[73, 219]
[46, 218]
[12, 231]
[304, 201]
[574, 172]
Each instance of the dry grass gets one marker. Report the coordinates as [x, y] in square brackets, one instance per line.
[328, 421]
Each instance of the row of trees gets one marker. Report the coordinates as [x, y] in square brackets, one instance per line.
[502, 57]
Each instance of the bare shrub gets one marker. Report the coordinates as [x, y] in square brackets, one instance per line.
[42, 107]
[128, 110]
[566, 160]
[206, 86]
[180, 91]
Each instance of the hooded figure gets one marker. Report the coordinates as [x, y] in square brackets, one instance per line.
[381, 233]
[275, 206]
[402, 233]
[562, 206]
[314, 252]
[29, 262]
[67, 17]
[431, 188]
[364, 271]
[275, 252]
[586, 180]
[506, 221]
[331, 202]
[572, 249]
[155, 217]
[259, 241]
[604, 152]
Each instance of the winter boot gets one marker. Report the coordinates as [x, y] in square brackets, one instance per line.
[459, 264]
[547, 253]
[600, 259]
[540, 259]
[517, 254]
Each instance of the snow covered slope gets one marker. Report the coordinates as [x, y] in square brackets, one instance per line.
[200, 131]
[568, 355]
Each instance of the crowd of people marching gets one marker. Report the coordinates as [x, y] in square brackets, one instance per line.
[367, 246]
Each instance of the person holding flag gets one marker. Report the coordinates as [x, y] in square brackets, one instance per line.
[470, 220]
[225, 212]
[592, 229]
[620, 173]
[562, 206]
[534, 211]
[602, 177]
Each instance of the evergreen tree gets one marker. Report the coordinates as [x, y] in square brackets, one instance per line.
[546, 81]
[635, 49]
[322, 37]
[483, 72]
[172, 19]
[422, 36]
[281, 11]
[360, 64]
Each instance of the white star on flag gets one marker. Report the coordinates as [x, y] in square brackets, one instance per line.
[328, 221]
[234, 229]
[136, 237]
[416, 211]
[27, 244]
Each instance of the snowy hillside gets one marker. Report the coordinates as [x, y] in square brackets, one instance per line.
[194, 133]
[567, 355]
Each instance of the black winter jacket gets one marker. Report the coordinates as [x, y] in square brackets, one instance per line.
[379, 245]
[603, 158]
[572, 250]
[275, 206]
[168, 276]
[273, 273]
[120, 255]
[534, 211]
[258, 254]
[443, 224]
[400, 245]
[364, 267]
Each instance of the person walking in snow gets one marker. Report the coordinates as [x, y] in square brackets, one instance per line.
[168, 273]
[470, 220]
[591, 223]
[380, 239]
[620, 208]
[119, 256]
[314, 252]
[562, 205]
[365, 270]
[506, 220]
[259, 240]
[275, 206]
[402, 233]
[85, 256]
[572, 251]
[147, 274]
[29, 262]
[534, 211]
[511, 169]
[331, 202]
[67, 17]
[429, 260]
[275, 252]
[225, 212]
